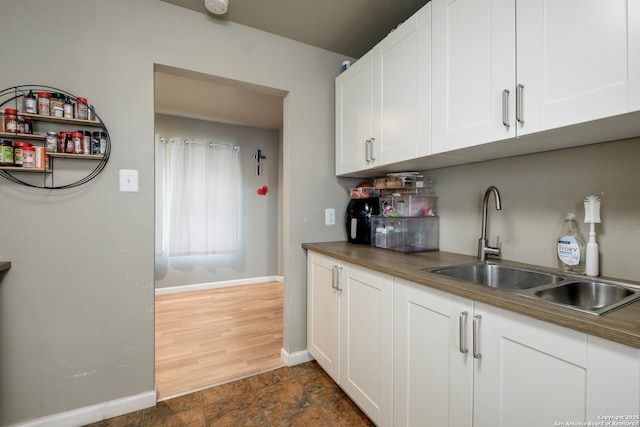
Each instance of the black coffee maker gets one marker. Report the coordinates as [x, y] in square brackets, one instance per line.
[357, 219]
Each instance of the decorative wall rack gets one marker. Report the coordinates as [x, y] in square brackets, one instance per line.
[63, 168]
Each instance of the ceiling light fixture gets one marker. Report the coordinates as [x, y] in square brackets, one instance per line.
[219, 7]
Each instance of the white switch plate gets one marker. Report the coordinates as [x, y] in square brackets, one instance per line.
[329, 216]
[128, 180]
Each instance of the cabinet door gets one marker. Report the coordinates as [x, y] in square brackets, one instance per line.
[323, 314]
[576, 60]
[354, 116]
[402, 91]
[473, 61]
[433, 378]
[612, 381]
[367, 342]
[540, 378]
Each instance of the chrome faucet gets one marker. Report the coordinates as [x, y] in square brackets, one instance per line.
[484, 250]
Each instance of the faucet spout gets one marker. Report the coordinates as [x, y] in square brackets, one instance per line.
[484, 250]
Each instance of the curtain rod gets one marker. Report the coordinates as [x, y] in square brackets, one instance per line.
[197, 141]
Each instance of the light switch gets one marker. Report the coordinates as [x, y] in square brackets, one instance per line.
[329, 216]
[128, 180]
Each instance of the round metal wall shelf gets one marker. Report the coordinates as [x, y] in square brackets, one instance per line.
[82, 169]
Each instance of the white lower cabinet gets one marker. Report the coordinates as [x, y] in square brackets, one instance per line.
[436, 354]
[366, 343]
[323, 312]
[464, 363]
[349, 331]
[410, 355]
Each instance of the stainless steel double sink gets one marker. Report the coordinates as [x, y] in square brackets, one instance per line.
[585, 294]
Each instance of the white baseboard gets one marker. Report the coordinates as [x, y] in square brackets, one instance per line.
[94, 413]
[296, 358]
[216, 285]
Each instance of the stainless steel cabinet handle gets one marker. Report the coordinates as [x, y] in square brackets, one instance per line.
[367, 150]
[462, 329]
[519, 105]
[333, 276]
[505, 108]
[476, 337]
[373, 159]
[338, 278]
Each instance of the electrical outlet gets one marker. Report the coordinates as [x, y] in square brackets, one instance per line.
[329, 216]
[128, 180]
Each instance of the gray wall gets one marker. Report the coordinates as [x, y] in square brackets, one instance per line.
[537, 190]
[78, 304]
[258, 253]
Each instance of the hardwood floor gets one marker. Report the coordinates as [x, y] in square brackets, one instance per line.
[214, 336]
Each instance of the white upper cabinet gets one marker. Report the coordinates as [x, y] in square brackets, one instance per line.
[473, 56]
[577, 61]
[354, 116]
[402, 86]
[574, 61]
[383, 100]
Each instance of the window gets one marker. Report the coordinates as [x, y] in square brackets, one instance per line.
[199, 184]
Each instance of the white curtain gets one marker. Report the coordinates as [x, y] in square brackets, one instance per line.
[201, 197]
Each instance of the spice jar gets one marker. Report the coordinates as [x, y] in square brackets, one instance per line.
[44, 103]
[28, 156]
[57, 105]
[52, 142]
[6, 153]
[103, 142]
[82, 109]
[20, 123]
[77, 141]
[69, 145]
[86, 142]
[18, 152]
[11, 123]
[28, 125]
[67, 111]
[30, 103]
[95, 143]
[62, 142]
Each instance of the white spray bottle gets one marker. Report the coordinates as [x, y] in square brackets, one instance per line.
[592, 216]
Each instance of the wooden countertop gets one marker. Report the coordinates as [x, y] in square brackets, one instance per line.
[5, 265]
[621, 325]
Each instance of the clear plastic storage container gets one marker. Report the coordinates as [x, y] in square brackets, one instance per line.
[408, 202]
[407, 235]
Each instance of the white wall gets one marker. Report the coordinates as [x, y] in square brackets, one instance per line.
[77, 305]
[257, 256]
[536, 191]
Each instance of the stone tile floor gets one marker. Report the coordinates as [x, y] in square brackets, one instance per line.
[301, 395]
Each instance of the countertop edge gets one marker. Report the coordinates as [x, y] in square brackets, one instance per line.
[622, 325]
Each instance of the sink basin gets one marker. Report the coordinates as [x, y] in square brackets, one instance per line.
[589, 296]
[499, 276]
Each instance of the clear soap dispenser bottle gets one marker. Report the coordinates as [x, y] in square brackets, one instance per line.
[571, 250]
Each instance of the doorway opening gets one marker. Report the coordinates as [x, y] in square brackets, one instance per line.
[219, 315]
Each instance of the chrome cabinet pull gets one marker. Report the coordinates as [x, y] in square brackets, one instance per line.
[367, 150]
[373, 159]
[476, 337]
[338, 278]
[519, 105]
[334, 270]
[505, 108]
[462, 330]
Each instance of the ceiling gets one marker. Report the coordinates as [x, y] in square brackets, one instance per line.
[348, 27]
